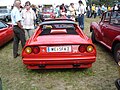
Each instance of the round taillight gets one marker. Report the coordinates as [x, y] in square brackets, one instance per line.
[82, 48]
[28, 50]
[89, 48]
[36, 50]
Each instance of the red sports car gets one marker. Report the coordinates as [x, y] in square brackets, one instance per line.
[107, 32]
[6, 33]
[58, 44]
[48, 13]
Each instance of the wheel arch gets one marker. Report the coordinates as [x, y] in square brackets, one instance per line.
[94, 26]
[114, 44]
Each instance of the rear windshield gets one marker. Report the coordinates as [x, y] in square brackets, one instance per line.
[47, 10]
[58, 29]
[115, 18]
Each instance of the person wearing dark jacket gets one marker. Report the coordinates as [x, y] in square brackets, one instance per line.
[63, 10]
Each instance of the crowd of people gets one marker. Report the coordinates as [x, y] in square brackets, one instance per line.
[96, 10]
[24, 18]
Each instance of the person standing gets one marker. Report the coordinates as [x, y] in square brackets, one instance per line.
[72, 11]
[99, 10]
[88, 11]
[103, 8]
[19, 34]
[109, 8]
[63, 10]
[118, 7]
[81, 11]
[93, 11]
[57, 11]
[29, 17]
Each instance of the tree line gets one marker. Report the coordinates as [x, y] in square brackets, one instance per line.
[107, 2]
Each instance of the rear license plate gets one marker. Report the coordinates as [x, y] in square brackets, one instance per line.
[59, 49]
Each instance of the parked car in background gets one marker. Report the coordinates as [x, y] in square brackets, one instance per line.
[58, 44]
[107, 32]
[47, 12]
[6, 33]
[5, 14]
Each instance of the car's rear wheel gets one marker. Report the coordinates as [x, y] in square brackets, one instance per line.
[117, 53]
[93, 37]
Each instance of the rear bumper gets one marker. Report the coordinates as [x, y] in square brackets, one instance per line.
[55, 63]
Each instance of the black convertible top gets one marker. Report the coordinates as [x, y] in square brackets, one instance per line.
[57, 22]
[59, 19]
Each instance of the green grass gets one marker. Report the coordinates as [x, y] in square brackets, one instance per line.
[101, 76]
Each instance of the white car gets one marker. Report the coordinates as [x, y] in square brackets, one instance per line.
[5, 14]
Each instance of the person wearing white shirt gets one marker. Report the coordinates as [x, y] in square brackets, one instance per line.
[28, 16]
[116, 7]
[81, 11]
[72, 11]
[19, 34]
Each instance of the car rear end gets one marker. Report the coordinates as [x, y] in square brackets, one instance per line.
[59, 48]
[59, 55]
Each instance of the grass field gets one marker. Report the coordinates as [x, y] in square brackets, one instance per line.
[101, 76]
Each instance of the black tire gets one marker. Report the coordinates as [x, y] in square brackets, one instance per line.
[1, 84]
[117, 83]
[93, 37]
[117, 53]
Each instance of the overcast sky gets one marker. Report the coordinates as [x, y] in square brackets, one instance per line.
[37, 2]
[9, 3]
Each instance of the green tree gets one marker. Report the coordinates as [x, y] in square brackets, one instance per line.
[107, 2]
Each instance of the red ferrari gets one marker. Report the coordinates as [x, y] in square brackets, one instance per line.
[58, 44]
[48, 13]
[107, 32]
[6, 33]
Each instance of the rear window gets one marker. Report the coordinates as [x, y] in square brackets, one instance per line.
[58, 29]
[47, 10]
